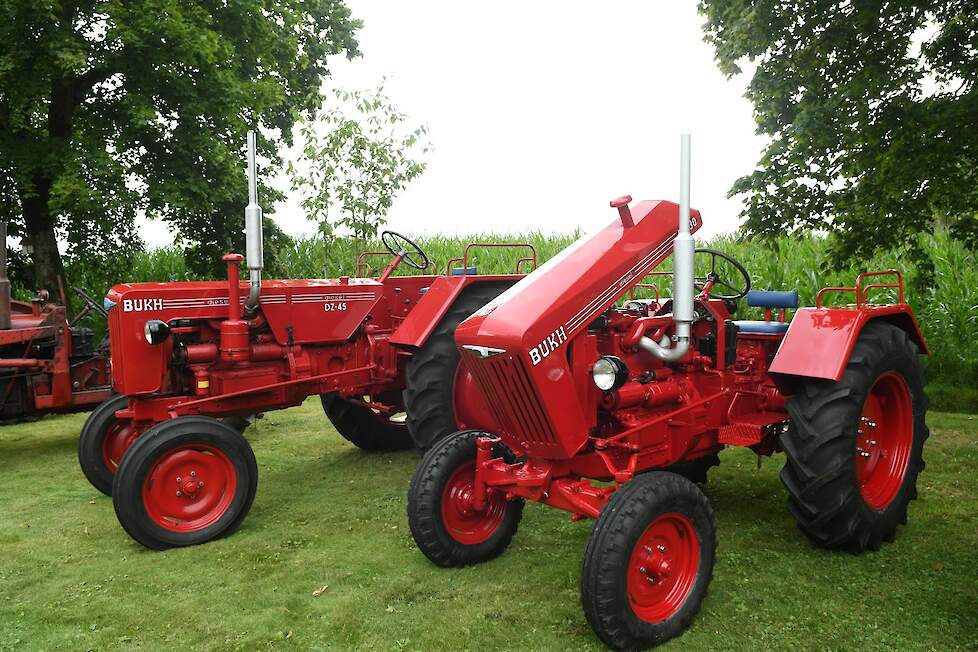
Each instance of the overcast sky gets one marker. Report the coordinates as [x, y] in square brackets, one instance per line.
[541, 112]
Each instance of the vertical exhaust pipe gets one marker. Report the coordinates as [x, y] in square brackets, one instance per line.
[253, 231]
[683, 252]
[4, 281]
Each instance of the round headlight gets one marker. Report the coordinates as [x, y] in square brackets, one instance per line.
[156, 331]
[609, 373]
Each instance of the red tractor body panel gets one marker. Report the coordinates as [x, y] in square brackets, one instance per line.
[530, 380]
[819, 341]
[439, 297]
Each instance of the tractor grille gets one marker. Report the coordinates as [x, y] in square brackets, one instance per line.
[510, 394]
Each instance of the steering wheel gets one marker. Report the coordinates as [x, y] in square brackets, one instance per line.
[90, 303]
[410, 253]
[717, 276]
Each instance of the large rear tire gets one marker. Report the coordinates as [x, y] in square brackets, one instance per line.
[430, 395]
[648, 561]
[103, 441]
[364, 428]
[854, 447]
[444, 523]
[186, 481]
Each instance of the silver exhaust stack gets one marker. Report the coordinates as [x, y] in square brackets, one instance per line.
[254, 255]
[683, 252]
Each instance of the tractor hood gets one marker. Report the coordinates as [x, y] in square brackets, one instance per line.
[517, 345]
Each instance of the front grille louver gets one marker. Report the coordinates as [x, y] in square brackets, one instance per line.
[510, 394]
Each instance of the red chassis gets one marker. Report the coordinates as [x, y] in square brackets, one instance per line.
[616, 409]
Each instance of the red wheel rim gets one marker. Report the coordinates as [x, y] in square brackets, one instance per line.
[189, 488]
[464, 523]
[116, 442]
[471, 411]
[663, 567]
[884, 439]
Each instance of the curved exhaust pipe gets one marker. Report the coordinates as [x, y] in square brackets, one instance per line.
[683, 252]
[254, 254]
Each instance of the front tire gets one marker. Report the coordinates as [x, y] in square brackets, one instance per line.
[186, 481]
[103, 441]
[648, 561]
[444, 523]
[855, 447]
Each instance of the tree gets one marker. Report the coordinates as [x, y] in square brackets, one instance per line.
[872, 114]
[354, 161]
[112, 107]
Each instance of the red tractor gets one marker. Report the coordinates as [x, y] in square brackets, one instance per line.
[642, 395]
[194, 361]
[48, 363]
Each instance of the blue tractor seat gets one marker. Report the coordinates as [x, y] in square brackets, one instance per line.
[772, 299]
[769, 300]
[464, 271]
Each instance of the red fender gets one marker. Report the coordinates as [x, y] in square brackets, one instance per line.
[819, 341]
[444, 290]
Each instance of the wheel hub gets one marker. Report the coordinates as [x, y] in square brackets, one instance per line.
[462, 520]
[663, 567]
[884, 438]
[174, 492]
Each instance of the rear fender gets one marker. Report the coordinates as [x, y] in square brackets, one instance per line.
[819, 341]
[441, 295]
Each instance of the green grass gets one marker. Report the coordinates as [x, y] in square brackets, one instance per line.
[328, 515]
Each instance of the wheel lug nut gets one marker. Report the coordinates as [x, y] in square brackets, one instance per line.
[193, 474]
[642, 570]
[200, 484]
[661, 548]
[179, 493]
[179, 479]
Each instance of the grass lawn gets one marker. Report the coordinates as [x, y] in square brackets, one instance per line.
[325, 561]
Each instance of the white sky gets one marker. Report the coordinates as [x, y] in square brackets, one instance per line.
[541, 112]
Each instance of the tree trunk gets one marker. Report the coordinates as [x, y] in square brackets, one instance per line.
[44, 254]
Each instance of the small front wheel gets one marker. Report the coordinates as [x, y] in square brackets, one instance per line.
[648, 561]
[103, 441]
[186, 481]
[444, 521]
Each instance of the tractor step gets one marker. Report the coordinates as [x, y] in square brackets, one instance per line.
[748, 429]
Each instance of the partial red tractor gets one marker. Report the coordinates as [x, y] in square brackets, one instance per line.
[48, 362]
[615, 409]
[195, 361]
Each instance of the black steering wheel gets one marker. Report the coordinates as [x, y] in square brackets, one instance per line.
[410, 253]
[718, 275]
[90, 304]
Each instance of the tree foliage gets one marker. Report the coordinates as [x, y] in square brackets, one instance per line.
[871, 111]
[355, 159]
[112, 107]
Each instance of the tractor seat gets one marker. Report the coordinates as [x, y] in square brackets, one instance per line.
[768, 300]
[464, 271]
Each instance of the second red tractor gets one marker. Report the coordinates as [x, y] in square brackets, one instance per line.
[194, 361]
[615, 409]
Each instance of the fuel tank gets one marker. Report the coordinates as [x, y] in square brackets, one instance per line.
[518, 346]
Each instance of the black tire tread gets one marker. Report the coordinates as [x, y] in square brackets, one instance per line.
[128, 482]
[609, 548]
[424, 506]
[360, 426]
[90, 443]
[819, 472]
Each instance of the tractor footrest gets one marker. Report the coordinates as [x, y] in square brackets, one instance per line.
[748, 429]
